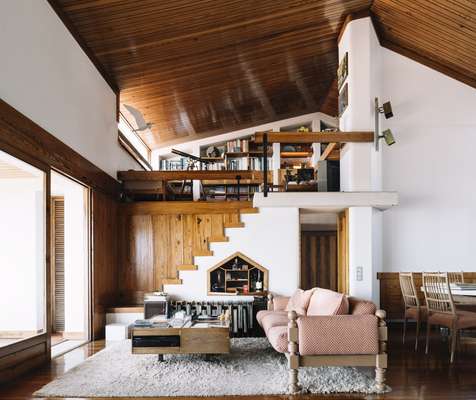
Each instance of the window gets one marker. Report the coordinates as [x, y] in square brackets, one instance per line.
[133, 143]
[22, 255]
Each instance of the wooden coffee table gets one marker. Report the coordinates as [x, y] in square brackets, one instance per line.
[195, 337]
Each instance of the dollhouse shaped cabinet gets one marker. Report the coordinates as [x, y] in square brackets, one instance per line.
[237, 275]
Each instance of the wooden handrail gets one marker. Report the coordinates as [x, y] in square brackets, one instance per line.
[316, 137]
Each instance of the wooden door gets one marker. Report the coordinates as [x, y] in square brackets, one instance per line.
[319, 259]
[343, 252]
[57, 262]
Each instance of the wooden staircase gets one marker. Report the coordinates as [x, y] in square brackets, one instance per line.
[174, 233]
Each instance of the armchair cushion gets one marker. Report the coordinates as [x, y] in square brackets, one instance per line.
[278, 337]
[274, 318]
[280, 303]
[327, 302]
[299, 301]
[361, 307]
[338, 334]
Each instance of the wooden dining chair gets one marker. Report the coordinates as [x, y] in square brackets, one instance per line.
[413, 309]
[441, 309]
[456, 277]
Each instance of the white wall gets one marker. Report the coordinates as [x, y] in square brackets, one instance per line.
[22, 237]
[75, 251]
[271, 238]
[433, 168]
[46, 76]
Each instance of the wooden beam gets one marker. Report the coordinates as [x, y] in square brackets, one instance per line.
[189, 175]
[329, 149]
[184, 207]
[316, 137]
[22, 138]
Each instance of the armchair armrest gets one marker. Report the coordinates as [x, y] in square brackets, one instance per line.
[338, 334]
[277, 303]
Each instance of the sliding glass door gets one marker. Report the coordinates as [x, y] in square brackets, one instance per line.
[22, 250]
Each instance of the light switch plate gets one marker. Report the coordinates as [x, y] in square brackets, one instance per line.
[359, 273]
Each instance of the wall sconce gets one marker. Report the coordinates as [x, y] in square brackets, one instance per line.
[387, 135]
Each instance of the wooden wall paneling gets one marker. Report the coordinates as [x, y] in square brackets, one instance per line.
[22, 138]
[188, 239]
[201, 233]
[105, 232]
[185, 207]
[217, 228]
[176, 245]
[232, 220]
[161, 237]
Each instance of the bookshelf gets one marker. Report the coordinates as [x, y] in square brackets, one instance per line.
[237, 275]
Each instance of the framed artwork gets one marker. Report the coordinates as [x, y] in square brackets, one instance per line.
[343, 99]
[343, 71]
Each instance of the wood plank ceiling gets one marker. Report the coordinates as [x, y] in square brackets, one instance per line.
[200, 68]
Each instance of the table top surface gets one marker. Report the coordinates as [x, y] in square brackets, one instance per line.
[195, 324]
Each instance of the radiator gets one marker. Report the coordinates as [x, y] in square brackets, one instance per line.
[243, 313]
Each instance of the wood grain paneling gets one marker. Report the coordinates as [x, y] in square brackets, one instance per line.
[104, 258]
[22, 138]
[156, 243]
[391, 299]
[438, 33]
[318, 260]
[196, 70]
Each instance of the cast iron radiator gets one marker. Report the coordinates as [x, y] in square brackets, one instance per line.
[243, 313]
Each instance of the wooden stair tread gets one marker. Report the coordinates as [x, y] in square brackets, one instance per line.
[187, 267]
[234, 225]
[202, 253]
[172, 281]
[218, 239]
[250, 210]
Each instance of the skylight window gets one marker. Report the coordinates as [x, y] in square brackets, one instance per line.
[133, 143]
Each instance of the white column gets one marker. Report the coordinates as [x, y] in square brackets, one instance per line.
[276, 162]
[196, 184]
[360, 163]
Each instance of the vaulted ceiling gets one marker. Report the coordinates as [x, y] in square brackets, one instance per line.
[197, 68]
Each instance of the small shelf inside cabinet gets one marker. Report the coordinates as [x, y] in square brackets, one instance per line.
[238, 275]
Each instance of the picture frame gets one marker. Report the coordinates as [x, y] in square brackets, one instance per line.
[343, 71]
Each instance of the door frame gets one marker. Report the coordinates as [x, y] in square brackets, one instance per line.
[89, 256]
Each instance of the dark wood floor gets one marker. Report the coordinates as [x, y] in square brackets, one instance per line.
[411, 375]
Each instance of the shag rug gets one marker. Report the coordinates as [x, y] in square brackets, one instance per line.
[253, 367]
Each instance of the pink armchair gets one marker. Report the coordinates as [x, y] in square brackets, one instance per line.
[356, 338]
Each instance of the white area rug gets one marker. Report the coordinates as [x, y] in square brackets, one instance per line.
[251, 368]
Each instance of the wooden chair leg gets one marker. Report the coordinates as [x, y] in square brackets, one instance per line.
[417, 333]
[404, 329]
[428, 328]
[454, 336]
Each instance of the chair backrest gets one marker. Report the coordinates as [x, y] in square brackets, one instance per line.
[437, 293]
[456, 277]
[407, 286]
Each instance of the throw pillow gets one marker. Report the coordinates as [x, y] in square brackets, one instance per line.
[328, 302]
[299, 301]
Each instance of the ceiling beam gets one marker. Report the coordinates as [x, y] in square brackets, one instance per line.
[316, 137]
